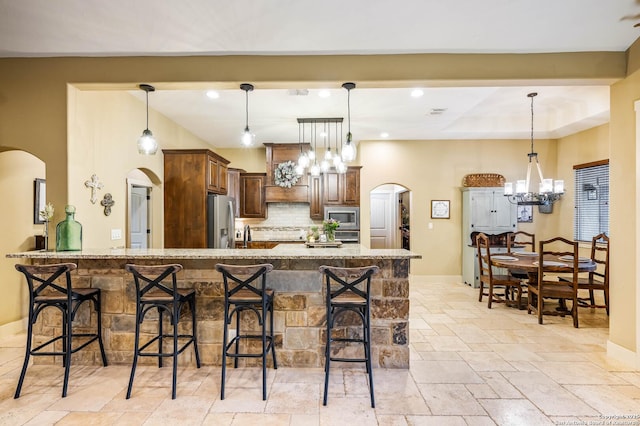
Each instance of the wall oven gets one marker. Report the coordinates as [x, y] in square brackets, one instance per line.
[349, 217]
[348, 237]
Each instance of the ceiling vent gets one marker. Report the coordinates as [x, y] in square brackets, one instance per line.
[437, 111]
[298, 92]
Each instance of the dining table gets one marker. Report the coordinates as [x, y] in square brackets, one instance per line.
[526, 261]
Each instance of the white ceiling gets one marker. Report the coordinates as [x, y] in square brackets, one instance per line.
[35, 28]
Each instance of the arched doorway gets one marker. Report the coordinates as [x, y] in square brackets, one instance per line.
[140, 208]
[390, 207]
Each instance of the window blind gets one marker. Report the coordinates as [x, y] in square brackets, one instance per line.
[592, 201]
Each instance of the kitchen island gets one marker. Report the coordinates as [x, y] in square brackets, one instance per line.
[300, 324]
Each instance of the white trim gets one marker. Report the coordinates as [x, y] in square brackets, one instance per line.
[131, 182]
[623, 355]
[11, 328]
[636, 106]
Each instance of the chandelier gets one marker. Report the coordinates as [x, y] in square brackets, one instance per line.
[319, 161]
[549, 190]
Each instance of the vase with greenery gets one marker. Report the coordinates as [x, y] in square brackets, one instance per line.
[329, 227]
[46, 214]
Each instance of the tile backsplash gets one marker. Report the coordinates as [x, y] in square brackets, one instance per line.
[285, 221]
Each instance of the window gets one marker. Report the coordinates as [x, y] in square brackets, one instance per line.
[591, 215]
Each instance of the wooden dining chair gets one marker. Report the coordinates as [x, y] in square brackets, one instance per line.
[517, 239]
[548, 286]
[495, 281]
[598, 279]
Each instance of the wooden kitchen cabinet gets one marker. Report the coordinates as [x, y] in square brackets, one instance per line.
[315, 198]
[233, 187]
[277, 153]
[252, 201]
[342, 189]
[189, 175]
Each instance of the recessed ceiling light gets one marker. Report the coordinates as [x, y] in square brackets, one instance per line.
[384, 135]
[212, 94]
[324, 93]
[416, 93]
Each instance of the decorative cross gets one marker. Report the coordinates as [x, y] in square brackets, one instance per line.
[107, 202]
[94, 184]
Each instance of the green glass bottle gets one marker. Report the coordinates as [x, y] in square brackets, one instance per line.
[69, 232]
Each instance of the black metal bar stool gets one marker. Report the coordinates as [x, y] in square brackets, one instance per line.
[151, 294]
[45, 292]
[245, 289]
[348, 289]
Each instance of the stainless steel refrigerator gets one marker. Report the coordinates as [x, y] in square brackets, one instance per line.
[220, 221]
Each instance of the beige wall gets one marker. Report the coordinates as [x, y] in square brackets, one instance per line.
[33, 118]
[624, 214]
[433, 170]
[104, 127]
[18, 170]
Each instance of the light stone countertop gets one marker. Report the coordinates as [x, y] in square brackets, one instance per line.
[281, 251]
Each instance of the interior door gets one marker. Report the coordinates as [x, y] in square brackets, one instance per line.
[139, 217]
[381, 220]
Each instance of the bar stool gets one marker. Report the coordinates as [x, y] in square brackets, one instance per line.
[151, 293]
[245, 289]
[348, 289]
[45, 293]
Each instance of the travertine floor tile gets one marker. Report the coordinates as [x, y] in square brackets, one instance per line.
[469, 366]
[547, 395]
[450, 399]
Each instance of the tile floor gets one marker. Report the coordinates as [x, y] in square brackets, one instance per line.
[469, 366]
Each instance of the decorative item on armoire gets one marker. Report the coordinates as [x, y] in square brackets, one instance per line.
[95, 184]
[69, 232]
[107, 202]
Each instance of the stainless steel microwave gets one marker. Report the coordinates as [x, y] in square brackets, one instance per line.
[349, 217]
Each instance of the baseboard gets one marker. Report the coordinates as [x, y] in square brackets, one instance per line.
[11, 328]
[445, 279]
[623, 355]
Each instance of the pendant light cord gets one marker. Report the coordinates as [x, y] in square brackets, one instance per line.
[349, 108]
[532, 96]
[246, 97]
[147, 94]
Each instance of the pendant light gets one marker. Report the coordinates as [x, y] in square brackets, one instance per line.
[303, 158]
[349, 148]
[314, 170]
[549, 191]
[325, 163]
[147, 144]
[247, 136]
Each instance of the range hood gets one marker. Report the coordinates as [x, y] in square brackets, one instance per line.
[279, 153]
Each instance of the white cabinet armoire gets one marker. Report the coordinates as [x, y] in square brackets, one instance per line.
[487, 210]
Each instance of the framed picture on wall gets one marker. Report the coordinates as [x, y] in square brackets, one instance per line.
[39, 199]
[440, 209]
[525, 213]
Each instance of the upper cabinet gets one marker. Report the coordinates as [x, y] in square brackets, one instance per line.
[189, 175]
[333, 188]
[486, 209]
[278, 153]
[342, 189]
[252, 192]
[316, 209]
[233, 187]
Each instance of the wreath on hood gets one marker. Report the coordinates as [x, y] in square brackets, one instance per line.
[285, 174]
